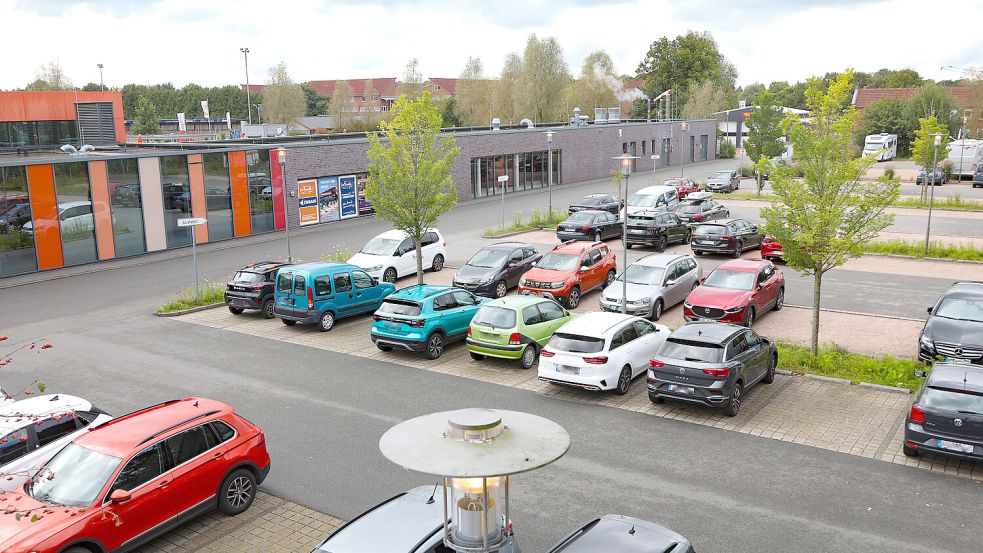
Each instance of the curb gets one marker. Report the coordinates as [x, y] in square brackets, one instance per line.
[192, 310]
[884, 388]
[899, 256]
[515, 233]
[879, 387]
[828, 379]
[895, 317]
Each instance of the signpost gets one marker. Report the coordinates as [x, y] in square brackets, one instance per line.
[191, 223]
[503, 181]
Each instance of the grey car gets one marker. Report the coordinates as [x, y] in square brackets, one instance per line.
[712, 364]
[655, 283]
[723, 181]
[947, 416]
[622, 534]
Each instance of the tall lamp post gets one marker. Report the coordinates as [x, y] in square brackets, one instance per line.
[281, 154]
[249, 108]
[101, 86]
[683, 127]
[626, 163]
[931, 198]
[549, 177]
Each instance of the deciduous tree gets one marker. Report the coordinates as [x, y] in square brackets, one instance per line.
[147, 117]
[886, 115]
[598, 85]
[472, 104]
[933, 100]
[51, 77]
[684, 62]
[412, 85]
[505, 92]
[764, 128]
[342, 106]
[543, 79]
[705, 99]
[283, 100]
[316, 103]
[923, 146]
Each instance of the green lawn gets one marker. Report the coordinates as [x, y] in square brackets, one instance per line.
[935, 249]
[837, 363]
[536, 219]
[210, 292]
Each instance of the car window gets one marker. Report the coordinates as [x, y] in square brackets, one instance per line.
[516, 256]
[529, 252]
[616, 342]
[362, 280]
[603, 250]
[400, 307]
[142, 468]
[673, 273]
[342, 282]
[322, 285]
[222, 430]
[52, 429]
[753, 340]
[551, 311]
[299, 284]
[189, 444]
[585, 260]
[270, 276]
[690, 264]
[443, 302]
[643, 328]
[283, 282]
[462, 298]
[629, 333]
[405, 246]
[531, 315]
[672, 196]
[429, 238]
[595, 257]
[736, 346]
[13, 445]
[661, 200]
[763, 275]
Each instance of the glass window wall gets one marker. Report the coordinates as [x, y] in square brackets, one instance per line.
[260, 190]
[38, 133]
[218, 196]
[525, 171]
[78, 229]
[17, 253]
[127, 206]
[177, 199]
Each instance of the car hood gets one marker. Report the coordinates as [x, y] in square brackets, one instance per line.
[964, 333]
[365, 260]
[721, 298]
[547, 275]
[635, 291]
[23, 532]
[470, 273]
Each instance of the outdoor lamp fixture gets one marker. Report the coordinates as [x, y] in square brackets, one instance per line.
[475, 451]
[626, 163]
[281, 156]
[549, 177]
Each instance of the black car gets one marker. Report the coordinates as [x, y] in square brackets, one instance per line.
[589, 225]
[698, 209]
[947, 416]
[732, 236]
[936, 178]
[252, 288]
[656, 229]
[954, 329]
[622, 534]
[712, 364]
[15, 217]
[603, 202]
[494, 269]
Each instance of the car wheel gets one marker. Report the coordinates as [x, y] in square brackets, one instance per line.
[610, 278]
[237, 492]
[288, 322]
[749, 317]
[326, 322]
[501, 289]
[268, 309]
[77, 550]
[383, 347]
[734, 405]
[477, 356]
[657, 310]
[597, 236]
[695, 284]
[687, 237]
[438, 263]
[435, 346]
[772, 365]
[389, 275]
[738, 249]
[661, 245]
[528, 358]
[780, 300]
[628, 245]
[624, 381]
[235, 310]
[657, 399]
[573, 299]
[909, 451]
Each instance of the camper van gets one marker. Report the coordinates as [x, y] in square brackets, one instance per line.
[965, 155]
[884, 146]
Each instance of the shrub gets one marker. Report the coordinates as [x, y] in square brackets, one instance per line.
[855, 151]
[341, 254]
[209, 293]
[727, 150]
[947, 170]
[889, 172]
[746, 171]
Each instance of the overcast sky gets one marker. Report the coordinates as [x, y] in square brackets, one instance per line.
[152, 41]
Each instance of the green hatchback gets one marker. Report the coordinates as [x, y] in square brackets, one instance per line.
[515, 327]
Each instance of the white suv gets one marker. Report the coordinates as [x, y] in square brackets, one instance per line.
[392, 254]
[601, 351]
[33, 430]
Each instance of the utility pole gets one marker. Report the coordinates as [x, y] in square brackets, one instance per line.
[249, 109]
[101, 85]
[931, 200]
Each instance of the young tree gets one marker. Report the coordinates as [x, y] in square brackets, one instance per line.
[342, 106]
[472, 104]
[830, 214]
[147, 117]
[283, 100]
[886, 115]
[764, 133]
[923, 147]
[410, 166]
[412, 85]
[543, 79]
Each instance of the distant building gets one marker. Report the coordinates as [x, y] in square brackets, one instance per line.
[734, 129]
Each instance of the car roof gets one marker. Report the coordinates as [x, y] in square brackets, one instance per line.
[396, 233]
[959, 376]
[65, 205]
[419, 292]
[517, 301]
[751, 265]
[396, 525]
[720, 222]
[17, 414]
[622, 534]
[586, 211]
[595, 323]
[506, 246]
[659, 259]
[264, 266]
[120, 436]
[575, 247]
[707, 331]
[965, 290]
[321, 265]
[655, 190]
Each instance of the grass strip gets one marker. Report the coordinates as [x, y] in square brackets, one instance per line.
[952, 203]
[954, 252]
[534, 220]
[209, 293]
[838, 363]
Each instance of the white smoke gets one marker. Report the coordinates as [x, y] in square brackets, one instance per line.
[615, 85]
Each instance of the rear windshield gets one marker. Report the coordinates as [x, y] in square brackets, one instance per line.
[248, 276]
[590, 200]
[574, 343]
[689, 208]
[580, 217]
[692, 351]
[961, 402]
[284, 282]
[718, 230]
[495, 317]
[398, 307]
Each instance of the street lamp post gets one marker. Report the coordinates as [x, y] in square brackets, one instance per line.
[683, 127]
[281, 154]
[931, 198]
[549, 178]
[626, 163]
[259, 112]
[101, 85]
[249, 109]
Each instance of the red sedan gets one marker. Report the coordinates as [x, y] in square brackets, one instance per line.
[771, 249]
[737, 291]
[135, 478]
[683, 186]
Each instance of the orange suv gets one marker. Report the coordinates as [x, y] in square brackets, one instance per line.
[569, 271]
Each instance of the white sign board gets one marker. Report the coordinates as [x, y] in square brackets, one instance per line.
[204, 108]
[503, 178]
[191, 221]
[181, 126]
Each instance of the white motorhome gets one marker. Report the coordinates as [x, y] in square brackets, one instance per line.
[965, 155]
[884, 145]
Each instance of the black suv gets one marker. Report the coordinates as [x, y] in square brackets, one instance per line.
[947, 416]
[954, 329]
[712, 364]
[656, 229]
[252, 288]
[978, 177]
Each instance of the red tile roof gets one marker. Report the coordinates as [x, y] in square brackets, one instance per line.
[448, 86]
[387, 87]
[866, 96]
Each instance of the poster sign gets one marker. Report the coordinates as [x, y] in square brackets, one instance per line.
[228, 120]
[181, 125]
[328, 199]
[349, 196]
[204, 109]
[364, 205]
[307, 201]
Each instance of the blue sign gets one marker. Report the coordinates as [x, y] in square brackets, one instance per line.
[349, 196]
[307, 202]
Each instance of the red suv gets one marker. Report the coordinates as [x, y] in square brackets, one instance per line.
[569, 271]
[136, 477]
[737, 291]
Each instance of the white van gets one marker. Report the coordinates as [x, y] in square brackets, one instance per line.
[966, 156]
[392, 254]
[653, 198]
[883, 145]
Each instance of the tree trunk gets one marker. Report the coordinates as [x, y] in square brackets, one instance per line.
[817, 284]
[419, 259]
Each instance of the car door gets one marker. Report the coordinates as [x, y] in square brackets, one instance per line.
[196, 473]
[344, 293]
[625, 349]
[405, 258]
[757, 352]
[610, 205]
[671, 223]
[428, 247]
[368, 294]
[754, 232]
[648, 343]
[740, 360]
[151, 501]
[769, 285]
[676, 291]
[553, 317]
[299, 295]
[595, 271]
[735, 181]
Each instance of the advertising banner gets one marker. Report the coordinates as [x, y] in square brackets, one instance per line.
[204, 109]
[328, 202]
[349, 196]
[181, 126]
[307, 201]
[364, 205]
[228, 120]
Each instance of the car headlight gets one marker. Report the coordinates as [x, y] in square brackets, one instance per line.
[373, 269]
[645, 301]
[486, 280]
[737, 309]
[927, 342]
[523, 281]
[558, 284]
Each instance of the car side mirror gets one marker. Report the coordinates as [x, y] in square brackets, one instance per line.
[375, 281]
[584, 269]
[929, 310]
[754, 228]
[670, 282]
[920, 373]
[512, 264]
[120, 496]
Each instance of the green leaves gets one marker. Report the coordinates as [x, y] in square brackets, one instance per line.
[923, 147]
[765, 128]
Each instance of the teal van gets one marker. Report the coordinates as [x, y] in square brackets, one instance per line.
[321, 293]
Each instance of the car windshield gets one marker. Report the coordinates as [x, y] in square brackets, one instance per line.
[74, 477]
[589, 200]
[558, 262]
[381, 246]
[674, 182]
[732, 280]
[488, 258]
[580, 217]
[495, 317]
[702, 352]
[953, 400]
[720, 175]
[574, 343]
[397, 307]
[248, 276]
[961, 309]
[643, 200]
[689, 208]
[640, 274]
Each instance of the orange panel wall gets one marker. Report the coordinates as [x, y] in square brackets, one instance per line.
[240, 194]
[44, 209]
[196, 173]
[101, 210]
[57, 106]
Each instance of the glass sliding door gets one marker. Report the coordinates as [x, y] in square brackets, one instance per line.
[78, 228]
[17, 253]
[127, 206]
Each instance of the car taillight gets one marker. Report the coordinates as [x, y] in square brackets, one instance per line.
[417, 323]
[376, 317]
[557, 227]
[698, 217]
[310, 298]
[514, 339]
[546, 353]
[727, 238]
[228, 286]
[655, 363]
[469, 332]
[718, 373]
[257, 287]
[599, 360]
[586, 228]
[917, 415]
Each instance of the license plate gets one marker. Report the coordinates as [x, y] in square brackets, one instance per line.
[702, 242]
[636, 231]
[568, 229]
[705, 320]
[566, 369]
[680, 389]
[955, 446]
[390, 325]
[488, 336]
[238, 303]
[610, 308]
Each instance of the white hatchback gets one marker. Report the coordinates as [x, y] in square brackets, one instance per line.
[33, 430]
[601, 351]
[392, 254]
